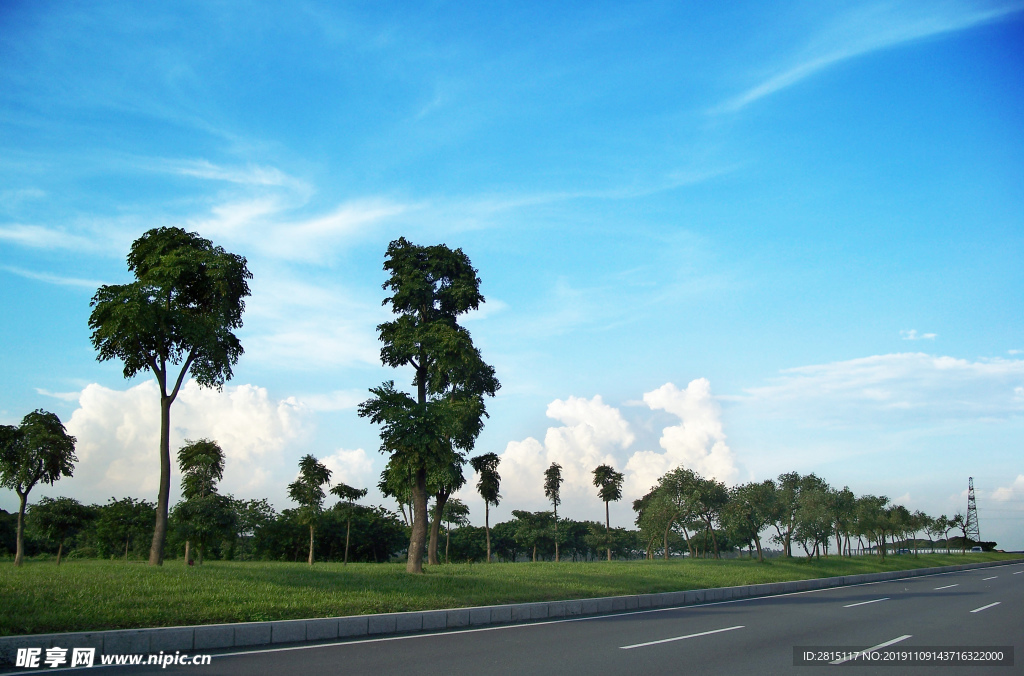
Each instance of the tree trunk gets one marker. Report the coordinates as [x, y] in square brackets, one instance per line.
[435, 527]
[556, 534]
[487, 528]
[607, 531]
[535, 553]
[667, 529]
[760, 555]
[418, 538]
[311, 544]
[156, 550]
[126, 541]
[188, 552]
[60, 550]
[447, 542]
[200, 548]
[714, 540]
[348, 529]
[19, 555]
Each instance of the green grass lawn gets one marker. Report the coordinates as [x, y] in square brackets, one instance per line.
[82, 595]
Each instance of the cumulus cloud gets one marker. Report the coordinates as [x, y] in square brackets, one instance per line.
[590, 433]
[1012, 493]
[593, 433]
[353, 467]
[118, 437]
[697, 443]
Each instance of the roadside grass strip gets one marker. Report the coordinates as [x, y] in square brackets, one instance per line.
[948, 586]
[978, 610]
[94, 595]
[679, 638]
[874, 648]
[864, 603]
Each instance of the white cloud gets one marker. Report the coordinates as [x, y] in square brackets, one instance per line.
[912, 334]
[590, 433]
[309, 325]
[63, 396]
[53, 279]
[593, 433]
[266, 222]
[870, 28]
[39, 237]
[697, 443]
[248, 175]
[353, 467]
[872, 390]
[1012, 493]
[118, 438]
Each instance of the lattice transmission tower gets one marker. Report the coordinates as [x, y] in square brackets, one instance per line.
[971, 528]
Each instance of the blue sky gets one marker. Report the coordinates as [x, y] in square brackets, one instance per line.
[749, 240]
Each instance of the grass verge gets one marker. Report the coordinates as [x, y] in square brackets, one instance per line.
[90, 595]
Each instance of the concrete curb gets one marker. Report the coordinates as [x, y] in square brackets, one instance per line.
[247, 634]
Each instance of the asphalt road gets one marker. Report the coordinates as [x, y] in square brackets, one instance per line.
[976, 609]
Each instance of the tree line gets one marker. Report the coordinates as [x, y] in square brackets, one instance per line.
[178, 319]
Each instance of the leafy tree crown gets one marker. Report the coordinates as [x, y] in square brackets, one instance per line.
[187, 298]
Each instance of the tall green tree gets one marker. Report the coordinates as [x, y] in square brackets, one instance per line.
[58, 519]
[609, 489]
[488, 484]
[455, 512]
[749, 511]
[308, 491]
[553, 492]
[710, 498]
[430, 287]
[202, 466]
[39, 450]
[177, 318]
[348, 495]
[787, 503]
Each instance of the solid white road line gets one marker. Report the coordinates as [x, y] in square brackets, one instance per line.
[866, 602]
[989, 578]
[978, 610]
[1019, 572]
[947, 586]
[874, 648]
[679, 638]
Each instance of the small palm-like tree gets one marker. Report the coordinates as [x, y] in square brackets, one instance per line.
[552, 491]
[609, 489]
[308, 491]
[455, 512]
[349, 495]
[486, 467]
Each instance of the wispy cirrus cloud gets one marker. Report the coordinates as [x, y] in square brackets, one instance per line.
[869, 28]
[39, 237]
[881, 388]
[53, 279]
